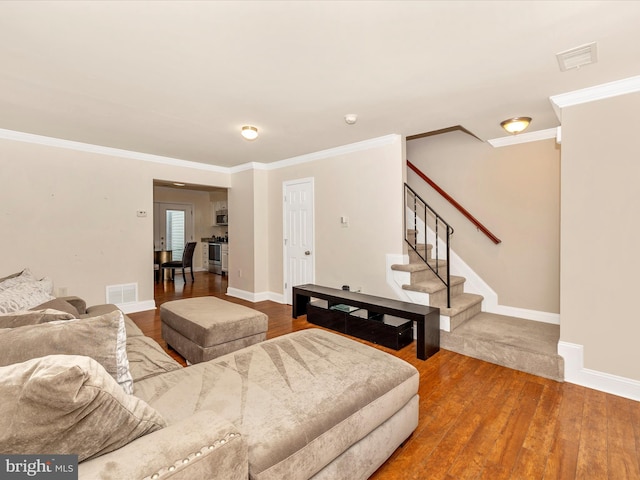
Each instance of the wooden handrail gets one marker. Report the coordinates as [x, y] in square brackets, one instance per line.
[452, 201]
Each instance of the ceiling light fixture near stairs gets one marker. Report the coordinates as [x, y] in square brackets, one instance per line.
[249, 132]
[516, 125]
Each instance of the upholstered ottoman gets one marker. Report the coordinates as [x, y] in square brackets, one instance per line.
[203, 328]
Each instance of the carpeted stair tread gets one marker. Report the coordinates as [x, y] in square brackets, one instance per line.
[417, 267]
[423, 246]
[433, 285]
[459, 303]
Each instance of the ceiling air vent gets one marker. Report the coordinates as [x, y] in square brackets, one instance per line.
[577, 57]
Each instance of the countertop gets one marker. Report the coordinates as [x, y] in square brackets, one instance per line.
[213, 240]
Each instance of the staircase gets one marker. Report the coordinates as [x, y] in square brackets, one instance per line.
[524, 345]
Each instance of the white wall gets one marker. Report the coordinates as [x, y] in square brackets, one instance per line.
[241, 232]
[363, 182]
[600, 234]
[71, 215]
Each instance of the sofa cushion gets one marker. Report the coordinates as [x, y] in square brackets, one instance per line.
[68, 405]
[95, 310]
[32, 317]
[147, 358]
[300, 400]
[59, 304]
[23, 296]
[102, 338]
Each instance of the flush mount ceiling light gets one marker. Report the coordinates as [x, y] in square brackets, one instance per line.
[516, 125]
[351, 118]
[249, 132]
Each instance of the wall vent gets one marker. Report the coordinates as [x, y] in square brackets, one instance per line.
[577, 57]
[122, 294]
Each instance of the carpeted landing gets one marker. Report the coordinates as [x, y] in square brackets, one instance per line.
[524, 345]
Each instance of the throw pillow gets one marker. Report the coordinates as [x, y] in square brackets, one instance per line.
[123, 375]
[68, 404]
[24, 276]
[32, 317]
[25, 295]
[13, 275]
[102, 338]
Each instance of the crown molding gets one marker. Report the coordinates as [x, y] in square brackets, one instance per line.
[524, 138]
[146, 157]
[331, 152]
[101, 150]
[591, 94]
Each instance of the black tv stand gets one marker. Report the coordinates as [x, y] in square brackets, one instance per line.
[427, 318]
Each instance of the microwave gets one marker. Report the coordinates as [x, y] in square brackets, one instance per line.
[221, 217]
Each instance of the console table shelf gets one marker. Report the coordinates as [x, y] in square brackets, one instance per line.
[427, 318]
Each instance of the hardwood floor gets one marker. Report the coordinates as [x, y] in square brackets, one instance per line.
[478, 420]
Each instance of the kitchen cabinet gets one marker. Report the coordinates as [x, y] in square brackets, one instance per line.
[205, 255]
[219, 205]
[225, 258]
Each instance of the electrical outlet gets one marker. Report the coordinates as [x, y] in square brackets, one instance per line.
[62, 291]
[141, 213]
[239, 273]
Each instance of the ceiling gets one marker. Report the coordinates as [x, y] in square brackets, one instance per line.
[179, 79]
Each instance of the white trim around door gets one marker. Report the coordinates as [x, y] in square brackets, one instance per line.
[298, 234]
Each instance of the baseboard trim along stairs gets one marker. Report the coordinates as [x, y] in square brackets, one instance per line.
[526, 345]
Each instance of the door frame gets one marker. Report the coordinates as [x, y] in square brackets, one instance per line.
[286, 288]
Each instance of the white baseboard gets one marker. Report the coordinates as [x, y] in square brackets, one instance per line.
[536, 315]
[255, 297]
[574, 372]
[134, 307]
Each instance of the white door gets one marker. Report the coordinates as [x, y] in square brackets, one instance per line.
[173, 227]
[298, 235]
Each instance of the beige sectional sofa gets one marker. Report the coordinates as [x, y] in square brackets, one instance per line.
[310, 404]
